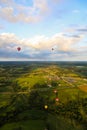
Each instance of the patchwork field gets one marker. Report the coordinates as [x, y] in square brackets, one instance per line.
[43, 96]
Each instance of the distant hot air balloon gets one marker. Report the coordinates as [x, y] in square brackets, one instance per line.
[52, 49]
[18, 48]
[55, 91]
[45, 106]
[57, 99]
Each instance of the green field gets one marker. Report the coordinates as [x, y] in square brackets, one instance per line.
[25, 90]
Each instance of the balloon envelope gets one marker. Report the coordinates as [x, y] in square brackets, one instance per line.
[57, 99]
[55, 91]
[45, 106]
[19, 48]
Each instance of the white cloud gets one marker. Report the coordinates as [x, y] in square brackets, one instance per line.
[61, 41]
[7, 2]
[14, 12]
[40, 47]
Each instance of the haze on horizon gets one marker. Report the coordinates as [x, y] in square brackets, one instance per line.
[37, 26]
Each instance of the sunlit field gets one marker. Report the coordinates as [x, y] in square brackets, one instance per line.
[43, 96]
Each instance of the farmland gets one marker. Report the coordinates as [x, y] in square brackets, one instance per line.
[27, 87]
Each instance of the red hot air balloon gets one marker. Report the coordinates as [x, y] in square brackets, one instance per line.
[18, 48]
[57, 99]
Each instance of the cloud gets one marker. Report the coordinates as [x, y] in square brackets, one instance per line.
[13, 12]
[73, 35]
[40, 47]
[82, 29]
[17, 11]
[6, 2]
[77, 29]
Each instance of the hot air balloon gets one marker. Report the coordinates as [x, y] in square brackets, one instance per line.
[45, 106]
[18, 48]
[55, 91]
[52, 49]
[57, 99]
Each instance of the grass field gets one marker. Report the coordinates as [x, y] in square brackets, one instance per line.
[25, 125]
[23, 98]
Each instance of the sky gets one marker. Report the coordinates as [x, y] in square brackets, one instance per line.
[37, 26]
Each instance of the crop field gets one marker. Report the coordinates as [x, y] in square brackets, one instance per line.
[43, 96]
